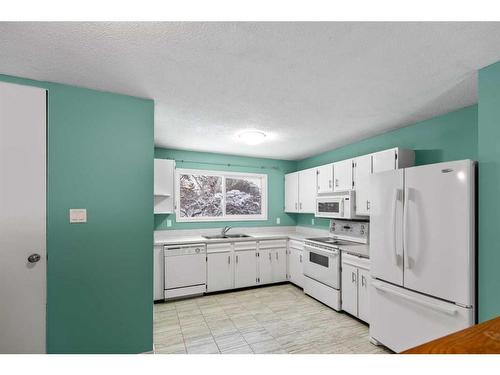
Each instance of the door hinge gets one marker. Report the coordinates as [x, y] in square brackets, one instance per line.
[353, 184]
[206, 259]
[396, 155]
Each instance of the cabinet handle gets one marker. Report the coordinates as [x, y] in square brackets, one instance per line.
[353, 277]
[300, 257]
[330, 183]
[276, 255]
[336, 182]
[295, 205]
[368, 205]
[363, 281]
[236, 258]
[269, 256]
[300, 205]
[229, 259]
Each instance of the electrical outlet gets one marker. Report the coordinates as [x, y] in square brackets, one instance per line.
[169, 223]
[77, 215]
[278, 220]
[312, 221]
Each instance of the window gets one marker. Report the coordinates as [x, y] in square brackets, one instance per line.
[225, 196]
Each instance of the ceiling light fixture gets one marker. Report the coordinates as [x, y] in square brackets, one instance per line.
[252, 137]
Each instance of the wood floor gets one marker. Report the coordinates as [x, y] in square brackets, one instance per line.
[274, 319]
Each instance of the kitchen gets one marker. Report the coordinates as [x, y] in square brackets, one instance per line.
[336, 267]
[250, 188]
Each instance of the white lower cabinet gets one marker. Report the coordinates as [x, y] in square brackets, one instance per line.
[295, 269]
[363, 295]
[355, 286]
[245, 268]
[272, 261]
[220, 267]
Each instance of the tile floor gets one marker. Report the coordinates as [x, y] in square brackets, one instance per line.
[273, 319]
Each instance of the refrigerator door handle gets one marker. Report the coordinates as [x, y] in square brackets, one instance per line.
[394, 221]
[446, 310]
[405, 228]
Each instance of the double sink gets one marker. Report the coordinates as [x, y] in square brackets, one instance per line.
[220, 236]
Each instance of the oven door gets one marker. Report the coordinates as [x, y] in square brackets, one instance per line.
[330, 207]
[322, 265]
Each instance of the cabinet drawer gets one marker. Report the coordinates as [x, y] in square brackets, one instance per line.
[299, 245]
[219, 247]
[355, 261]
[245, 245]
[272, 244]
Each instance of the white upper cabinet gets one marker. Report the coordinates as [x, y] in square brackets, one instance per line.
[292, 192]
[164, 172]
[342, 175]
[300, 191]
[384, 160]
[362, 172]
[307, 190]
[324, 179]
[394, 158]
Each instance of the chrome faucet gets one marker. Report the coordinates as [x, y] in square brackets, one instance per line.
[225, 230]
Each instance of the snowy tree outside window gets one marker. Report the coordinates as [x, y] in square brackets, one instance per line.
[212, 196]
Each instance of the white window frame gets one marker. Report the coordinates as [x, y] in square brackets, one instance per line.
[223, 175]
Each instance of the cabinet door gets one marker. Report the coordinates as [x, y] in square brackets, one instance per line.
[220, 271]
[342, 175]
[384, 160]
[325, 179]
[265, 259]
[307, 191]
[362, 172]
[350, 289]
[292, 192]
[363, 295]
[245, 268]
[295, 266]
[278, 265]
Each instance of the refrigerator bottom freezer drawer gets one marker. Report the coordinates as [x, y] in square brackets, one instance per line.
[402, 319]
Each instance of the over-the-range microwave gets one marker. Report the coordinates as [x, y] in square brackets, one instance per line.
[338, 205]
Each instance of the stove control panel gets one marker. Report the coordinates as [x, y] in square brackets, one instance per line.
[349, 229]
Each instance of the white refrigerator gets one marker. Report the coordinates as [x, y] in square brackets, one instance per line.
[422, 251]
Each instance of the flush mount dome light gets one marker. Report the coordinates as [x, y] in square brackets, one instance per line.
[252, 137]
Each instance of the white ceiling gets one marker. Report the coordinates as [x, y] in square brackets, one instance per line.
[311, 86]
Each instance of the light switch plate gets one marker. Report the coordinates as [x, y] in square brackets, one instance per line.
[77, 215]
[169, 223]
[278, 220]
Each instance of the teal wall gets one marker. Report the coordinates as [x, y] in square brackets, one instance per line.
[452, 136]
[99, 275]
[489, 189]
[202, 160]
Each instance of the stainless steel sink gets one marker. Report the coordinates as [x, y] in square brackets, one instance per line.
[219, 236]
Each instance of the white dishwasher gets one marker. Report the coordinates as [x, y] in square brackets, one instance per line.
[185, 269]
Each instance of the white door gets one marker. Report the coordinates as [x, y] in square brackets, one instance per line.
[401, 319]
[386, 226]
[307, 191]
[438, 236]
[362, 173]
[220, 271]
[350, 289]
[292, 192]
[325, 179]
[364, 295]
[265, 266]
[22, 219]
[384, 160]
[245, 268]
[342, 175]
[295, 267]
[278, 265]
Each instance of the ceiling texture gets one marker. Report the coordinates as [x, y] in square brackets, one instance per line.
[311, 87]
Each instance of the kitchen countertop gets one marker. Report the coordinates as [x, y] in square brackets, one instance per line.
[165, 238]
